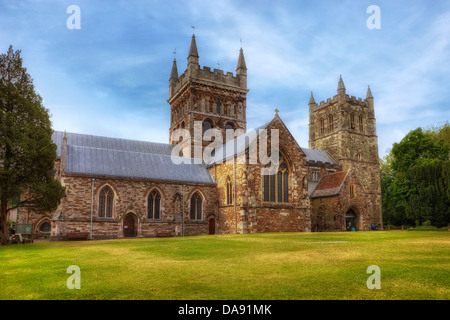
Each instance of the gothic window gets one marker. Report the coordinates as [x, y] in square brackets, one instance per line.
[218, 106]
[352, 120]
[330, 123]
[196, 207]
[314, 175]
[229, 192]
[105, 202]
[276, 186]
[322, 126]
[361, 123]
[229, 128]
[206, 126]
[183, 125]
[154, 205]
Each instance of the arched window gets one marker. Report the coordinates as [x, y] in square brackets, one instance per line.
[206, 126]
[196, 206]
[154, 205]
[276, 186]
[322, 126]
[314, 175]
[330, 122]
[229, 131]
[229, 191]
[105, 203]
[361, 123]
[352, 120]
[218, 106]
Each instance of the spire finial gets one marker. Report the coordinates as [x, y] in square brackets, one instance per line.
[193, 30]
[341, 85]
[241, 61]
[311, 100]
[193, 53]
[369, 93]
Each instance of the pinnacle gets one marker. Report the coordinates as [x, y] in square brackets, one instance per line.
[311, 100]
[241, 62]
[341, 85]
[174, 73]
[193, 49]
[369, 93]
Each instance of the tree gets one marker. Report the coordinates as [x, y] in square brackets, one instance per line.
[415, 148]
[430, 200]
[27, 152]
[415, 178]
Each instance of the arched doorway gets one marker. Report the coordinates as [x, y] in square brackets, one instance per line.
[129, 226]
[351, 221]
[212, 226]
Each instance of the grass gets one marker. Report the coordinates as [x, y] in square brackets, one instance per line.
[414, 265]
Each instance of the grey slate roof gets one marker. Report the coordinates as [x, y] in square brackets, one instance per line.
[236, 146]
[318, 156]
[103, 156]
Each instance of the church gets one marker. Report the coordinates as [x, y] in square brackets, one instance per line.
[119, 188]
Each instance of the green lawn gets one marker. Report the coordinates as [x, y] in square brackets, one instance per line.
[414, 265]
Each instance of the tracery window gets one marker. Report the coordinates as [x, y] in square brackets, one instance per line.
[154, 205]
[276, 186]
[330, 123]
[196, 207]
[105, 201]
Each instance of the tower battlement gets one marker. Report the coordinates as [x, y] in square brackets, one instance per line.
[346, 98]
[211, 96]
[205, 75]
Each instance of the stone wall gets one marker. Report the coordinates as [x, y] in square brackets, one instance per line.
[130, 197]
[328, 213]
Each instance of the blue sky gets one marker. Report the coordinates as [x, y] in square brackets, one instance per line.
[111, 76]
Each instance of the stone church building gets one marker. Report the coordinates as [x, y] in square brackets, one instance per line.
[118, 188]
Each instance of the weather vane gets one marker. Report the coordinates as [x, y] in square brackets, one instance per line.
[193, 29]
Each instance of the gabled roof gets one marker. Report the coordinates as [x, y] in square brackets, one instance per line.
[330, 184]
[102, 156]
[236, 146]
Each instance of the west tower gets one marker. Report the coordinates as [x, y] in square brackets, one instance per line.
[210, 98]
[345, 127]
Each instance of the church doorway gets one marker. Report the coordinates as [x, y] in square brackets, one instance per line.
[350, 220]
[129, 226]
[212, 226]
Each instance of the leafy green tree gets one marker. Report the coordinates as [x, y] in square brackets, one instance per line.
[415, 148]
[430, 200]
[415, 178]
[27, 152]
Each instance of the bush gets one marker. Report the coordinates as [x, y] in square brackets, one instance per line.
[428, 228]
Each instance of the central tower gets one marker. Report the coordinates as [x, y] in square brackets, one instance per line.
[214, 99]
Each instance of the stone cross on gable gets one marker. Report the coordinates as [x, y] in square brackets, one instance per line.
[276, 111]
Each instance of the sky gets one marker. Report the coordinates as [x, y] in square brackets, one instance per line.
[110, 77]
